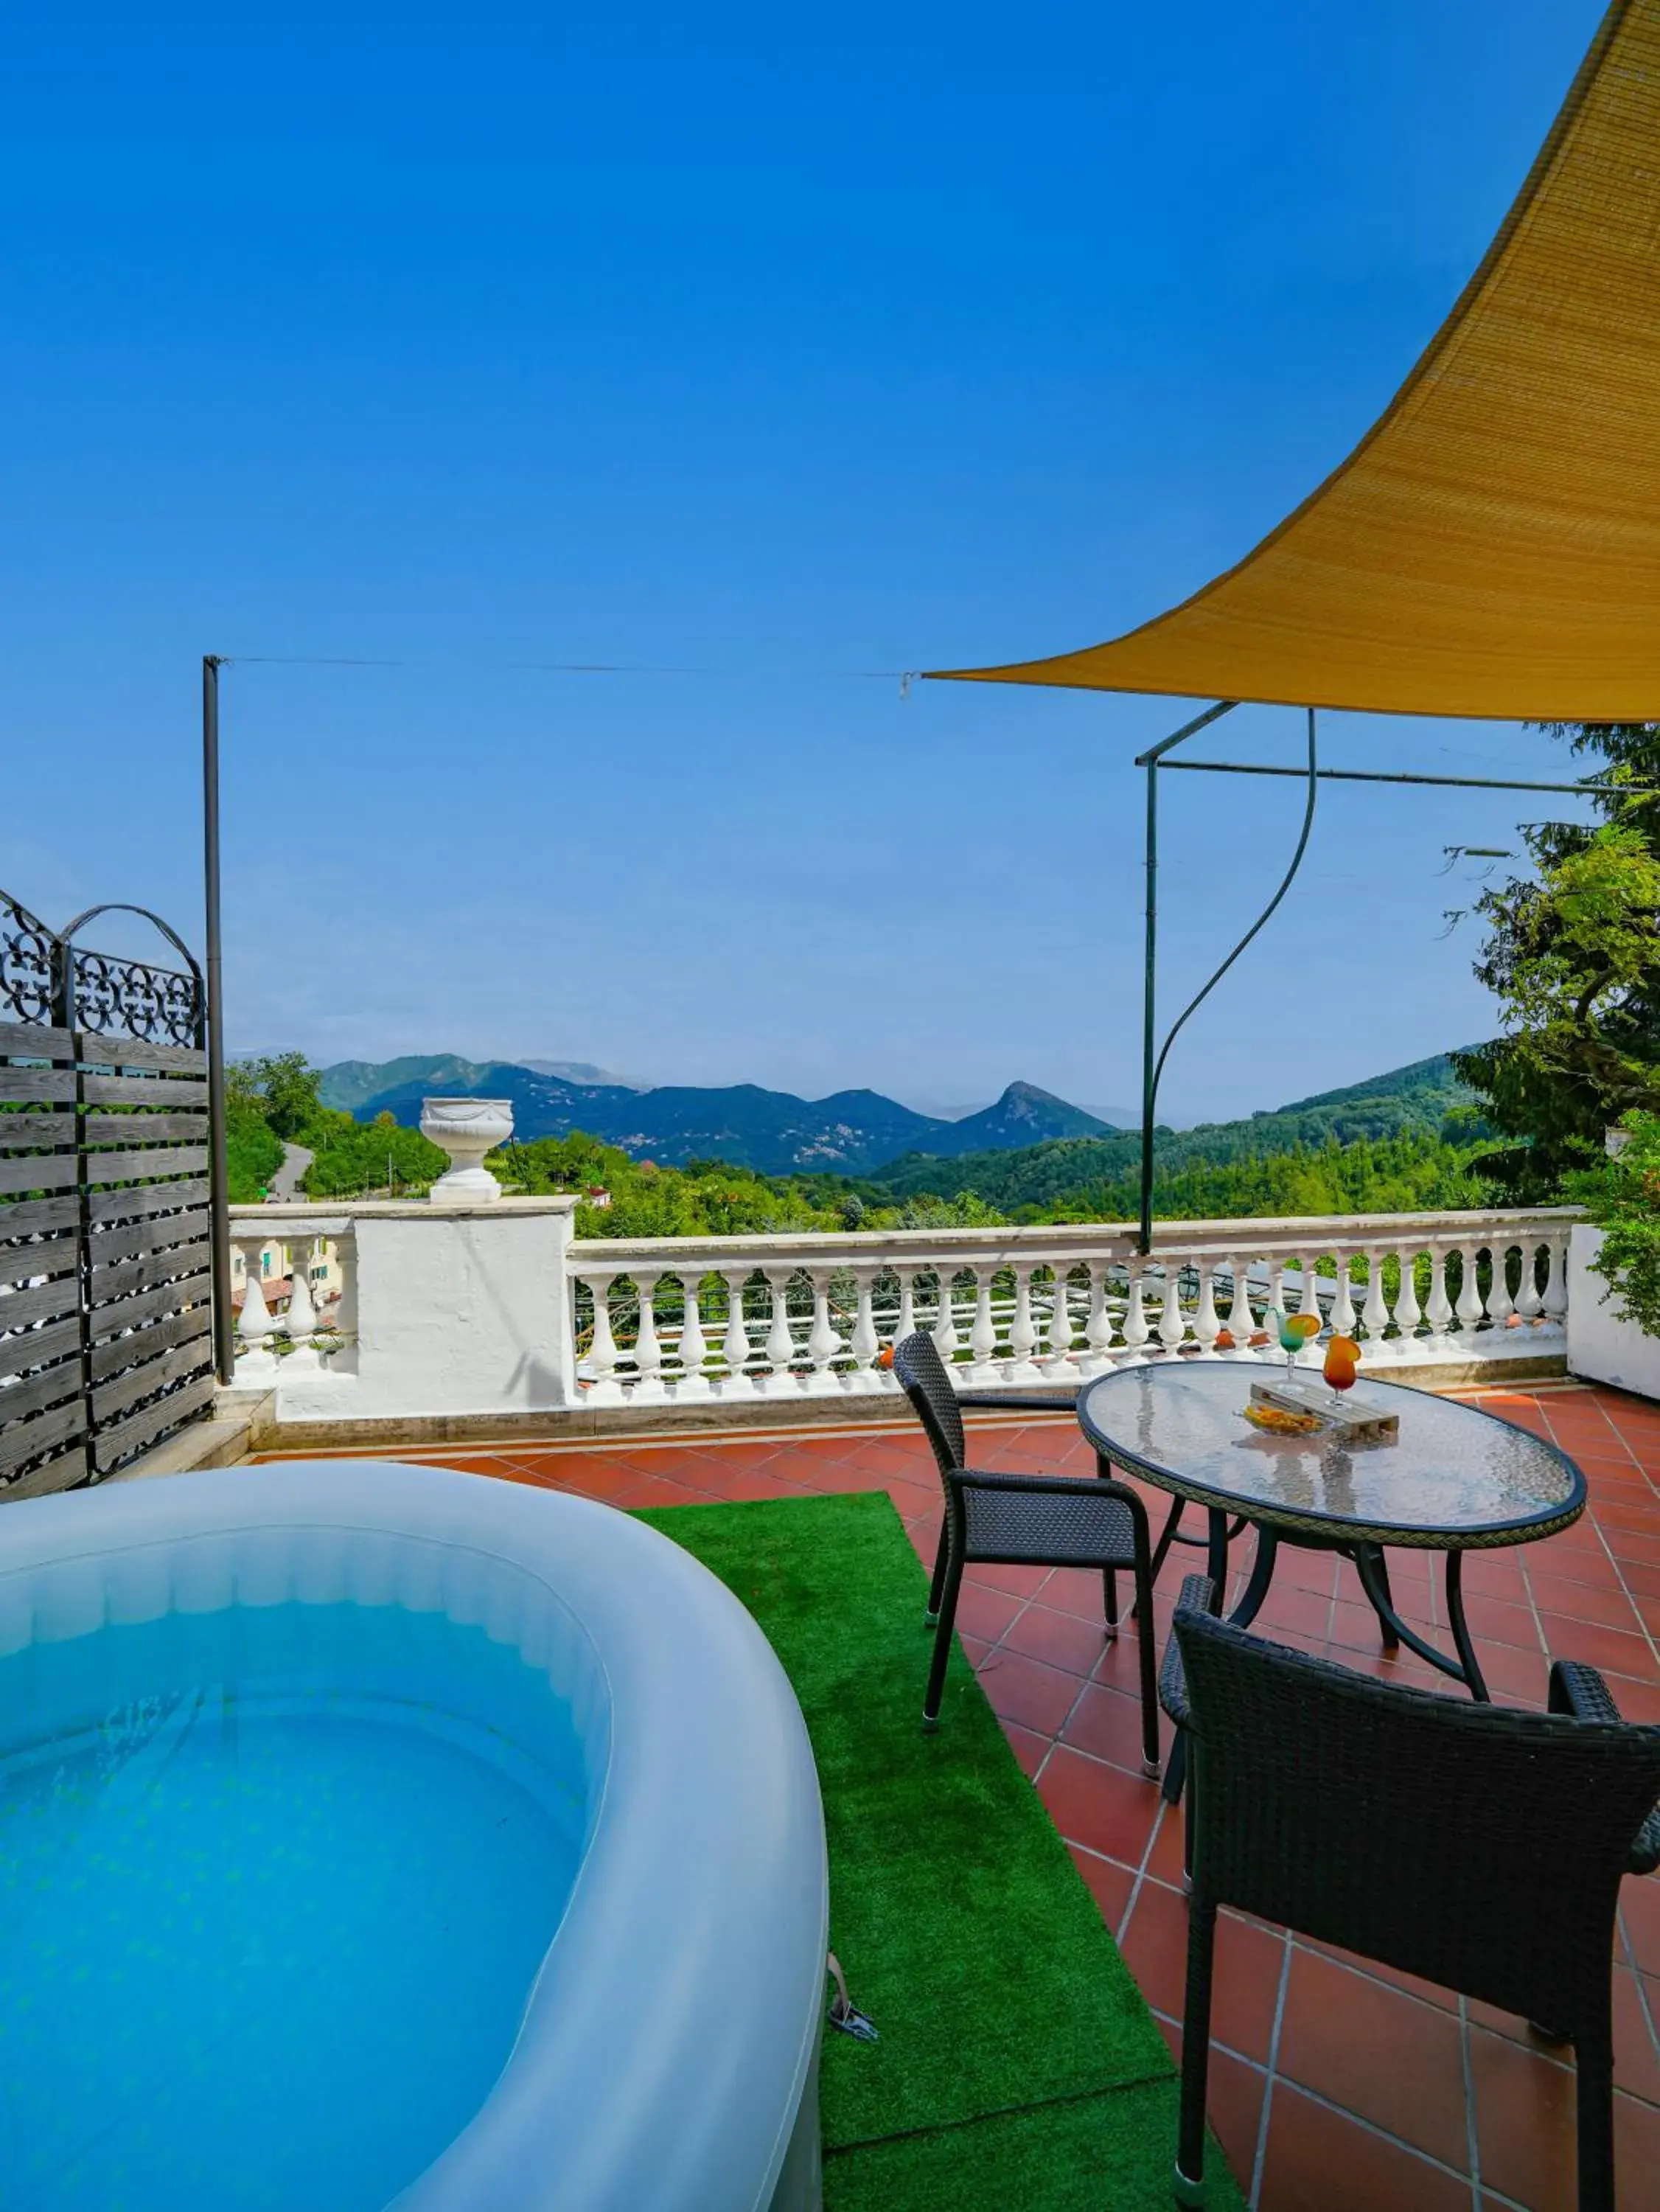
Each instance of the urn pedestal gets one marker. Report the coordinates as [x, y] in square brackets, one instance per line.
[466, 1128]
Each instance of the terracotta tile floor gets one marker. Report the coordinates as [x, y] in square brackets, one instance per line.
[1337, 2087]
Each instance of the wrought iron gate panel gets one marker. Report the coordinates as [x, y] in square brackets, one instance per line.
[105, 1312]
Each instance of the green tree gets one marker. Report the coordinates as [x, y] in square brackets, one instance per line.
[355, 1159]
[1574, 959]
[282, 1088]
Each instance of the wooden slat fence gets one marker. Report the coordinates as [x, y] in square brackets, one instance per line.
[105, 1313]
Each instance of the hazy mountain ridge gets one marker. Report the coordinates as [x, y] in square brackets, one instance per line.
[850, 1133]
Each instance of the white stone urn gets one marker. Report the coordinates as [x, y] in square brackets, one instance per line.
[466, 1128]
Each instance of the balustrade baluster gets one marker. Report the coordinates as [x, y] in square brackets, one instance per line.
[1023, 1333]
[823, 1339]
[1469, 1310]
[692, 1382]
[299, 1324]
[864, 1344]
[1529, 1302]
[605, 1388]
[1057, 1352]
[648, 1348]
[737, 1382]
[1342, 1303]
[1438, 1307]
[780, 1341]
[946, 1339]
[1310, 1301]
[1206, 1322]
[983, 1336]
[1241, 1323]
[256, 1364]
[1097, 1330]
[1136, 1330]
[345, 1312]
[1501, 1304]
[1408, 1312]
[907, 1322]
[1172, 1323]
[1555, 1301]
[1375, 1313]
[1274, 1312]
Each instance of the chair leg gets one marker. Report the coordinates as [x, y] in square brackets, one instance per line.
[1175, 1768]
[1110, 1595]
[930, 1708]
[1596, 2097]
[1195, 2050]
[1147, 1655]
[942, 1561]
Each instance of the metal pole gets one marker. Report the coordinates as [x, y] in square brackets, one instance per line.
[1150, 761]
[224, 1340]
[1444, 782]
[1149, 1008]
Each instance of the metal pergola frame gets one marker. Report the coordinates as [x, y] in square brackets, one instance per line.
[1154, 1055]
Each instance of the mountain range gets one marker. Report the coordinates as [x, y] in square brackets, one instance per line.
[1427, 1097]
[850, 1133]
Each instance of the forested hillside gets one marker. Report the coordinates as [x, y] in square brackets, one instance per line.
[1423, 1100]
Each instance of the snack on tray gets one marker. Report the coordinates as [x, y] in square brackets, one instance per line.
[1279, 1423]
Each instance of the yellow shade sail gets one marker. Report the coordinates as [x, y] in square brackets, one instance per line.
[1492, 547]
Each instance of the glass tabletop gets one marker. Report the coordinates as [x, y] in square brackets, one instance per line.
[1454, 1477]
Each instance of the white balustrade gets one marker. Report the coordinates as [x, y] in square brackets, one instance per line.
[311, 1337]
[544, 1322]
[1002, 1304]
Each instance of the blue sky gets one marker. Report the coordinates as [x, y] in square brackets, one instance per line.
[771, 348]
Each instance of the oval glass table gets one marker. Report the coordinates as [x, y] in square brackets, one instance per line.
[1454, 1480]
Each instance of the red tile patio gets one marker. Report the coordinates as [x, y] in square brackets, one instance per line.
[1338, 2086]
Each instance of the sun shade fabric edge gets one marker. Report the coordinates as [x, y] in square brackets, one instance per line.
[1491, 548]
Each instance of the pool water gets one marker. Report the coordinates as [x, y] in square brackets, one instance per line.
[273, 1892]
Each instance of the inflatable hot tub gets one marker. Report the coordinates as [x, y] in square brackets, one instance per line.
[376, 1835]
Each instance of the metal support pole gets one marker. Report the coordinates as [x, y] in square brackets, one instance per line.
[1150, 761]
[1149, 1003]
[224, 1340]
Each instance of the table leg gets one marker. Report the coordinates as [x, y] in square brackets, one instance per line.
[1463, 1669]
[1216, 1559]
[1461, 1635]
[1262, 1574]
[1386, 1613]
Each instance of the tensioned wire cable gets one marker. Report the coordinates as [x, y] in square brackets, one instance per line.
[1257, 926]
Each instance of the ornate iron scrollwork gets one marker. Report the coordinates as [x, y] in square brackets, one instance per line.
[135, 997]
[108, 997]
[28, 966]
[131, 998]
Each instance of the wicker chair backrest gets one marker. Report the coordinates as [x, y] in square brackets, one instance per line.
[923, 1377]
[1478, 1847]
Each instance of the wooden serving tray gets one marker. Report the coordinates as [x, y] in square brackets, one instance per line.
[1361, 1421]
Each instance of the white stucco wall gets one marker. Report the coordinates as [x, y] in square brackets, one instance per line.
[1600, 1348]
[459, 1310]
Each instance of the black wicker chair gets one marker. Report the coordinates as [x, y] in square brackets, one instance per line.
[1018, 1520]
[1478, 1847]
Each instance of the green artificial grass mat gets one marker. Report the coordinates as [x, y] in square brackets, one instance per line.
[1018, 2061]
[1109, 2153]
